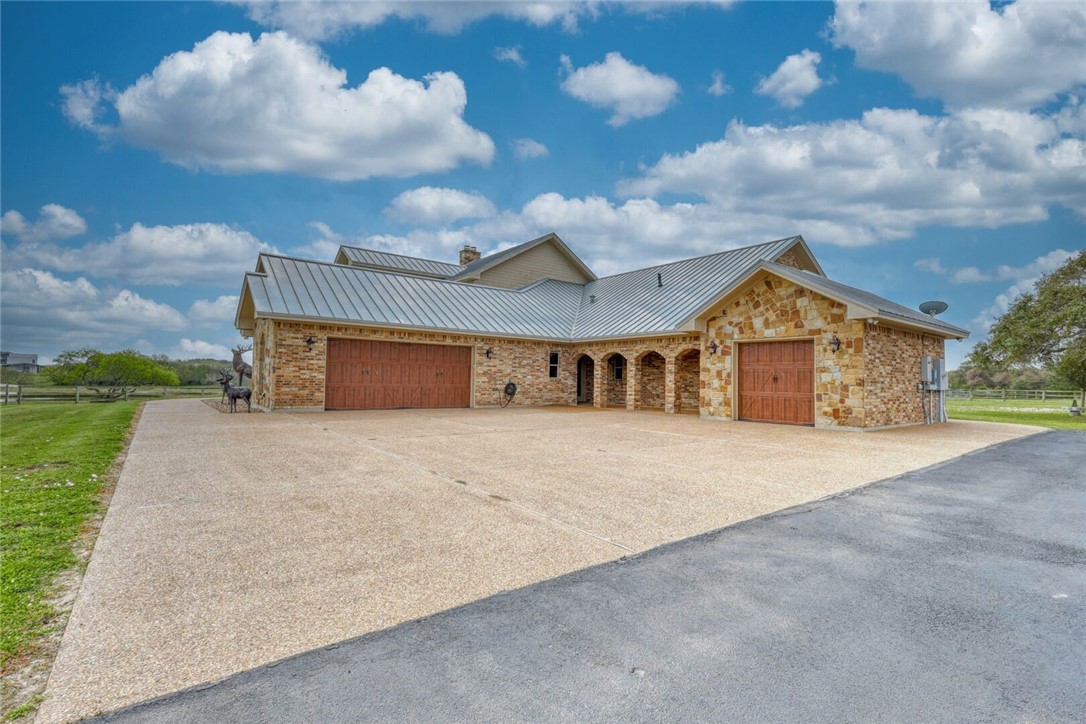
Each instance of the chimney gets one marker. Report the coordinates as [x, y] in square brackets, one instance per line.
[468, 254]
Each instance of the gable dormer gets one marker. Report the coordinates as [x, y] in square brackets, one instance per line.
[547, 257]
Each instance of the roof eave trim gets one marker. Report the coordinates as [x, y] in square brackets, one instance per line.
[471, 333]
[400, 327]
[241, 299]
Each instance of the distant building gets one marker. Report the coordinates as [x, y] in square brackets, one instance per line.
[21, 362]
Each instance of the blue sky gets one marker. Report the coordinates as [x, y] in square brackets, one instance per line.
[151, 150]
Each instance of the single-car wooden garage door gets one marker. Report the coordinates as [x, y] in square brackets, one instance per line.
[776, 382]
[368, 375]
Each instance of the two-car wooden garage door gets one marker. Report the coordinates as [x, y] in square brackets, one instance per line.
[368, 375]
[776, 382]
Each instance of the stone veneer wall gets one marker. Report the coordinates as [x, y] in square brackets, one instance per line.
[789, 258]
[774, 308]
[263, 361]
[651, 369]
[892, 358]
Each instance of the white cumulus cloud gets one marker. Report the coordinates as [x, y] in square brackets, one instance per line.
[969, 53]
[235, 105]
[1023, 279]
[209, 312]
[630, 91]
[45, 312]
[931, 264]
[198, 349]
[319, 20]
[511, 55]
[718, 87]
[794, 80]
[525, 148]
[54, 223]
[886, 174]
[428, 205]
[204, 253]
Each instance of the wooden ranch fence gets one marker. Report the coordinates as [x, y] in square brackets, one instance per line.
[27, 393]
[976, 394]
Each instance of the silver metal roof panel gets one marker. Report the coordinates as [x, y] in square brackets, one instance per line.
[623, 305]
[375, 259]
[633, 302]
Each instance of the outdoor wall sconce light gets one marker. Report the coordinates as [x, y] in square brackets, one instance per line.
[309, 342]
[713, 347]
[490, 353]
[835, 344]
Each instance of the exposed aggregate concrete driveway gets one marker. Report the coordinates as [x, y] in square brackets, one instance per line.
[236, 540]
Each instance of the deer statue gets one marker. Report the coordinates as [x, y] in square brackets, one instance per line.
[240, 365]
[235, 393]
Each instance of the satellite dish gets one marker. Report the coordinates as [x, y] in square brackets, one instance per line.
[933, 308]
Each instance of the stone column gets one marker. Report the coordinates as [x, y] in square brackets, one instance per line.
[669, 385]
[633, 382]
[599, 372]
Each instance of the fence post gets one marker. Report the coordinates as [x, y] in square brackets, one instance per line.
[1004, 396]
[19, 394]
[77, 394]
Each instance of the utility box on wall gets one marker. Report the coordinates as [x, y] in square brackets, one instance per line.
[926, 369]
[940, 378]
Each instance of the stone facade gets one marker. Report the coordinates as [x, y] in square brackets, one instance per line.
[869, 382]
[771, 309]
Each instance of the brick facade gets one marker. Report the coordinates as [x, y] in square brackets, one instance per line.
[652, 383]
[892, 396]
[869, 382]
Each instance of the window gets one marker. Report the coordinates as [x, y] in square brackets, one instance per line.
[620, 367]
[554, 364]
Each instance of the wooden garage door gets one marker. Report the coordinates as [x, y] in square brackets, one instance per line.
[368, 375]
[776, 382]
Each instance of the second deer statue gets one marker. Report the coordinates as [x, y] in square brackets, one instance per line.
[241, 366]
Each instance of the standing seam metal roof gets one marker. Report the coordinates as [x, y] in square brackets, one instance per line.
[632, 302]
[398, 262]
[626, 305]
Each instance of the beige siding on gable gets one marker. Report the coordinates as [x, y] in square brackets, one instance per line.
[540, 262]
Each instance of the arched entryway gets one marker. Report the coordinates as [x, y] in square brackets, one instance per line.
[651, 370]
[614, 380]
[688, 381]
[586, 369]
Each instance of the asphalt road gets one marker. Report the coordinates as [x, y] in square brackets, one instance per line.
[955, 593]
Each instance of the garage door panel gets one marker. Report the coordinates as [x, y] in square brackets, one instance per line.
[365, 374]
[776, 382]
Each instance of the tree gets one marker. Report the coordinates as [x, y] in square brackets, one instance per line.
[1046, 326]
[110, 375]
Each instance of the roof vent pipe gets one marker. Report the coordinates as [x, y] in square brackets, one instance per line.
[659, 279]
[591, 298]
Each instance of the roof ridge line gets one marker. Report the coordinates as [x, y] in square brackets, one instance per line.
[402, 256]
[703, 256]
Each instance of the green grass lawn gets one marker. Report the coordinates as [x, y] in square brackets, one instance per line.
[1045, 413]
[53, 458]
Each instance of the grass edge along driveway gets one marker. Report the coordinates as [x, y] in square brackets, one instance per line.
[1043, 413]
[52, 469]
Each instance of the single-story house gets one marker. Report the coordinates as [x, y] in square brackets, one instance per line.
[757, 333]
